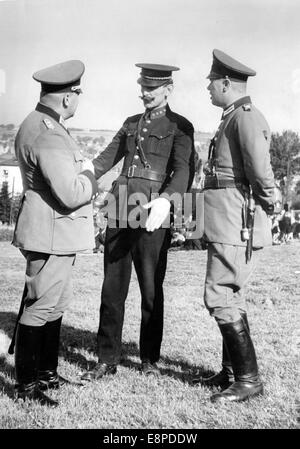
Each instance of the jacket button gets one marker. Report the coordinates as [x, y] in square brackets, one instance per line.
[136, 156]
[145, 130]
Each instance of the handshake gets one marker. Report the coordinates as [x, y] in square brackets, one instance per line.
[87, 165]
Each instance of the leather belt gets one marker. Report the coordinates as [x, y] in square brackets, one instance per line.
[215, 182]
[145, 173]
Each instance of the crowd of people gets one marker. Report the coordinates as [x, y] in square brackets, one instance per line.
[285, 226]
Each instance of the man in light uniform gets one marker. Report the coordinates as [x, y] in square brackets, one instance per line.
[54, 223]
[238, 175]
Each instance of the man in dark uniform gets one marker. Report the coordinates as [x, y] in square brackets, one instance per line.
[238, 185]
[55, 222]
[158, 151]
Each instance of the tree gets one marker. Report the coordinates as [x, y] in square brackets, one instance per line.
[4, 203]
[297, 188]
[14, 207]
[285, 159]
[10, 126]
[296, 196]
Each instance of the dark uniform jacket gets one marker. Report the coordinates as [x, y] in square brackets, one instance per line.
[56, 212]
[241, 152]
[167, 140]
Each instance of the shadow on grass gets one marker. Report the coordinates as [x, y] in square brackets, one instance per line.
[73, 340]
[6, 370]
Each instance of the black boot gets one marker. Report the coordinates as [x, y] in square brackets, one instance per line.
[100, 370]
[48, 376]
[243, 359]
[27, 357]
[223, 379]
[245, 319]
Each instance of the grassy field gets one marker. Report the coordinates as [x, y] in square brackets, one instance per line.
[129, 400]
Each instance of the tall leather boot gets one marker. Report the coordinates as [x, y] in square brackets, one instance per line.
[243, 359]
[48, 376]
[245, 319]
[225, 377]
[27, 357]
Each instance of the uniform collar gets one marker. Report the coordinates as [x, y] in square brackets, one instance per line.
[235, 105]
[157, 113]
[46, 110]
[62, 122]
[49, 111]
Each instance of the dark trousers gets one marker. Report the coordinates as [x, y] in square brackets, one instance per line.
[148, 252]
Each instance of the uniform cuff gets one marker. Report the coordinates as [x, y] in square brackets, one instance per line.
[89, 174]
[165, 195]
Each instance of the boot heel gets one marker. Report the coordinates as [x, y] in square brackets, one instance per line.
[32, 392]
[243, 359]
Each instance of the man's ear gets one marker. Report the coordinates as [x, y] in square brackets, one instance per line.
[169, 89]
[66, 100]
[226, 84]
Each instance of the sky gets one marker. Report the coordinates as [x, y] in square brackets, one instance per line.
[110, 36]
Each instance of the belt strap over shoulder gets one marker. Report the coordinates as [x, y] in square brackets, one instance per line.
[145, 173]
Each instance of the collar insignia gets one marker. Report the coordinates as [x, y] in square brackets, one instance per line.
[247, 107]
[228, 111]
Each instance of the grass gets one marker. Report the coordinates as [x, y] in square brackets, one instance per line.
[6, 233]
[130, 400]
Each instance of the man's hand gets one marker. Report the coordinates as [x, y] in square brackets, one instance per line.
[87, 165]
[160, 208]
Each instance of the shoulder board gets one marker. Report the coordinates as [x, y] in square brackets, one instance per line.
[266, 134]
[48, 123]
[247, 107]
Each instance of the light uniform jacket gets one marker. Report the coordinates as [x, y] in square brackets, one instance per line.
[168, 144]
[241, 151]
[55, 216]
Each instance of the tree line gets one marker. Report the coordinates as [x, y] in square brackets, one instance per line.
[9, 205]
[285, 160]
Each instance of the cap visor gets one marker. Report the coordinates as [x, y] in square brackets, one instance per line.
[152, 83]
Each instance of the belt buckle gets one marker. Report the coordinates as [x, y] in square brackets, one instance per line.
[131, 171]
[210, 181]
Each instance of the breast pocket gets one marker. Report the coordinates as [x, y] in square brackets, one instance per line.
[72, 231]
[161, 144]
[131, 141]
[71, 216]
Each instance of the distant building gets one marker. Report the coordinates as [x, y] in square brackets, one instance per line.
[10, 172]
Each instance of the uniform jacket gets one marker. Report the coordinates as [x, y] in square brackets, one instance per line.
[168, 144]
[241, 151]
[55, 216]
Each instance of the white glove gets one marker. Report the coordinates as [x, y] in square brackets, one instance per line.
[160, 208]
[87, 165]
